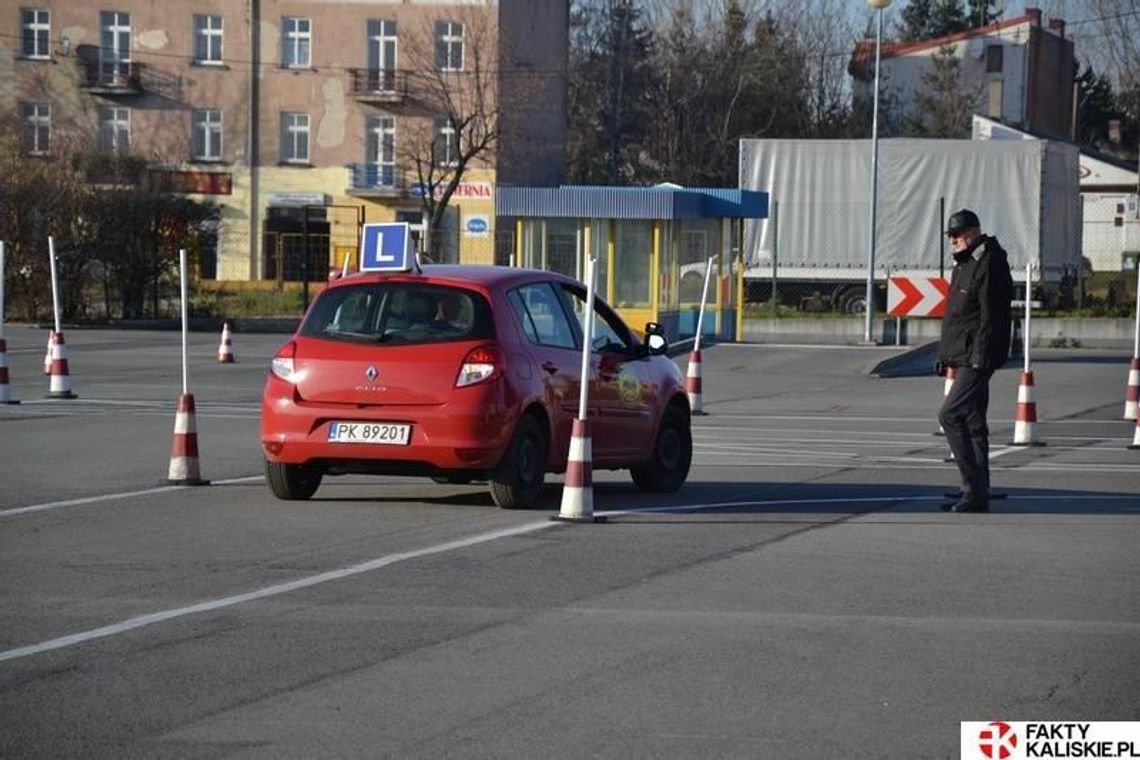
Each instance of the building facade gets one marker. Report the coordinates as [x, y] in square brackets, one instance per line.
[301, 120]
[1020, 71]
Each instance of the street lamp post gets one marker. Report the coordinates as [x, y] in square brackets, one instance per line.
[878, 6]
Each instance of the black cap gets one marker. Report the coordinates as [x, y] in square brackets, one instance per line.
[962, 220]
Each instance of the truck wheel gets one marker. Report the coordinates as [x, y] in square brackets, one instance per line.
[292, 482]
[517, 482]
[667, 469]
[852, 300]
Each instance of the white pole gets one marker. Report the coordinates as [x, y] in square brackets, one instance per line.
[185, 321]
[1, 288]
[347, 259]
[704, 297]
[1136, 332]
[588, 339]
[54, 283]
[1028, 311]
[868, 328]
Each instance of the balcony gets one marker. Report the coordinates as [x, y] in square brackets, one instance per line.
[377, 85]
[375, 181]
[112, 78]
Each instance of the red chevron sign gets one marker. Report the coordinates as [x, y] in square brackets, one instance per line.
[917, 296]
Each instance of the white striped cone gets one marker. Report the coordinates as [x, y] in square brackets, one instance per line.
[693, 383]
[60, 376]
[47, 354]
[947, 384]
[1132, 396]
[5, 391]
[1025, 419]
[578, 491]
[225, 349]
[1136, 435]
[184, 453]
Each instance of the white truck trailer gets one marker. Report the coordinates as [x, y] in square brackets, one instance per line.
[816, 240]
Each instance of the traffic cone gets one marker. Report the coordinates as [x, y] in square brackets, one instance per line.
[5, 391]
[225, 349]
[60, 378]
[1025, 419]
[947, 384]
[578, 491]
[693, 383]
[47, 353]
[1136, 436]
[184, 453]
[1132, 396]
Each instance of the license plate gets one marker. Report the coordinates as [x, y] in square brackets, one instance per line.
[389, 433]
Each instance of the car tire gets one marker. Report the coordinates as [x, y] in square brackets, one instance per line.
[292, 482]
[517, 482]
[667, 469]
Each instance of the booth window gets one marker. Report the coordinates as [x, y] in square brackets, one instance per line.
[633, 259]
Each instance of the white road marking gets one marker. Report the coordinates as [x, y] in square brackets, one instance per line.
[366, 567]
[112, 496]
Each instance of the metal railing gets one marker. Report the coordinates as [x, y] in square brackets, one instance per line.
[123, 76]
[386, 85]
[381, 178]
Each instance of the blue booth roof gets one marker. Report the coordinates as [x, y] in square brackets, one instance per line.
[602, 202]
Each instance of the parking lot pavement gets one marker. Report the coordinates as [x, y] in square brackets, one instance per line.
[801, 596]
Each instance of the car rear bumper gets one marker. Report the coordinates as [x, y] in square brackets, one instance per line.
[469, 432]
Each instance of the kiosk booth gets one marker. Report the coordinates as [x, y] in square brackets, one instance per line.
[652, 245]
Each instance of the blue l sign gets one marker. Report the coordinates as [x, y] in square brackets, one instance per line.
[386, 248]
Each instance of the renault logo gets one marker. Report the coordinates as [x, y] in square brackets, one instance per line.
[371, 374]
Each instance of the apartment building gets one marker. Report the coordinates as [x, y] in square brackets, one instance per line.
[1020, 69]
[301, 120]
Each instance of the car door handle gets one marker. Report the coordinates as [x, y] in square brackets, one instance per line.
[550, 367]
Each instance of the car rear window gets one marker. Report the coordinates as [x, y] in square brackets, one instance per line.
[399, 312]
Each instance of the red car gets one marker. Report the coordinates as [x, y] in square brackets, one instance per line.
[465, 373]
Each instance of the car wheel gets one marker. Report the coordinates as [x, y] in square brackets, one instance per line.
[517, 482]
[667, 469]
[292, 482]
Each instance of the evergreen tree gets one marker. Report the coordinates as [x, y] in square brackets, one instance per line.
[983, 12]
[943, 104]
[929, 19]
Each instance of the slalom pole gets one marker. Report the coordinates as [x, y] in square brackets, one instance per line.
[704, 299]
[60, 383]
[578, 490]
[54, 283]
[1132, 391]
[693, 373]
[1028, 312]
[184, 469]
[185, 353]
[1025, 416]
[5, 391]
[1136, 330]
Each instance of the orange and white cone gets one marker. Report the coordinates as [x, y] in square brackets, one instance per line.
[1132, 396]
[693, 383]
[60, 376]
[47, 353]
[226, 349]
[184, 453]
[578, 491]
[947, 384]
[1025, 419]
[1136, 436]
[5, 390]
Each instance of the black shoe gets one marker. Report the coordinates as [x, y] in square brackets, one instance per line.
[967, 505]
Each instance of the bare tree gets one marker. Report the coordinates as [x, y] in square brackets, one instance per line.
[453, 87]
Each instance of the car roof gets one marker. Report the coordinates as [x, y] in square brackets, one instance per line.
[486, 277]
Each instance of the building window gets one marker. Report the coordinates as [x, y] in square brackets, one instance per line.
[37, 32]
[37, 128]
[114, 129]
[207, 39]
[116, 45]
[207, 134]
[448, 46]
[297, 43]
[380, 147]
[445, 145]
[994, 59]
[295, 138]
[382, 52]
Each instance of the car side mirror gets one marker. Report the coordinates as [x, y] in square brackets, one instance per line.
[655, 342]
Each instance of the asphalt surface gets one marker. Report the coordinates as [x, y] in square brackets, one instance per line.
[801, 596]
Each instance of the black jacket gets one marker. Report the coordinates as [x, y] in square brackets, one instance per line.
[976, 325]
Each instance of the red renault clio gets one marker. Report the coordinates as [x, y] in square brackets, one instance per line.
[464, 373]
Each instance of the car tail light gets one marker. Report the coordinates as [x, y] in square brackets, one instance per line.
[282, 364]
[479, 364]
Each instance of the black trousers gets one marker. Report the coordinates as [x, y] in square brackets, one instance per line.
[963, 418]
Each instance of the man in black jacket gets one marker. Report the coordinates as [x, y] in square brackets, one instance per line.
[975, 342]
